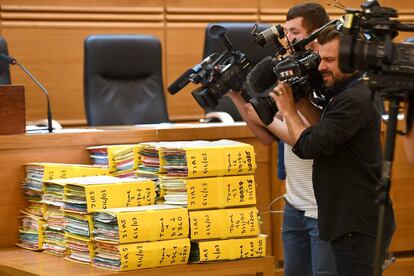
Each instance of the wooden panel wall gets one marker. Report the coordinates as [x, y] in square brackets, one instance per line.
[47, 36]
[185, 24]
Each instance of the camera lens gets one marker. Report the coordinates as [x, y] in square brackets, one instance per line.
[265, 107]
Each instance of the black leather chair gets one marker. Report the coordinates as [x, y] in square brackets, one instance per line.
[239, 34]
[123, 80]
[4, 66]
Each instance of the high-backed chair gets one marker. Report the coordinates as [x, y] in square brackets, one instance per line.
[4, 66]
[239, 34]
[123, 80]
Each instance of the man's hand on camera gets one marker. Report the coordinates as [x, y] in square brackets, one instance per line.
[283, 96]
[235, 96]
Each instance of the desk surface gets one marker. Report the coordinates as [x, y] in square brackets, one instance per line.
[70, 147]
[16, 261]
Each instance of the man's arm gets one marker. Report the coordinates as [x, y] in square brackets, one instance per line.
[264, 136]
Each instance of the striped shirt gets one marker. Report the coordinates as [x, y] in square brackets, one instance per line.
[299, 187]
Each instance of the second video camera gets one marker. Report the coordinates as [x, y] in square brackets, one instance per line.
[387, 64]
[217, 74]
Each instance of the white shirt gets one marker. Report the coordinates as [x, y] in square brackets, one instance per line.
[299, 186]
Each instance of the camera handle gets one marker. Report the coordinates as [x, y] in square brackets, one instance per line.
[384, 188]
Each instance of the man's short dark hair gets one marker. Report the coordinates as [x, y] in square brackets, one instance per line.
[328, 34]
[313, 14]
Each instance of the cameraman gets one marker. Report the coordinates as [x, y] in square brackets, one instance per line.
[346, 149]
[304, 253]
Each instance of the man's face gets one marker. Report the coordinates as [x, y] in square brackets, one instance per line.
[295, 30]
[329, 53]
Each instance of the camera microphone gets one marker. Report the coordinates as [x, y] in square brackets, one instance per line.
[185, 78]
[13, 61]
[261, 77]
[182, 81]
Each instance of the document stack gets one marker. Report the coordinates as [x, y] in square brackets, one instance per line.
[127, 160]
[31, 231]
[150, 166]
[140, 237]
[215, 181]
[121, 160]
[54, 239]
[46, 200]
[83, 195]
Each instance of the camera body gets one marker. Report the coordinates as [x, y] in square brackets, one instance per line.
[229, 74]
[217, 74]
[389, 66]
[300, 71]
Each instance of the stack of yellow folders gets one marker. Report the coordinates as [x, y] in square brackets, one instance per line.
[46, 200]
[215, 233]
[218, 172]
[87, 194]
[215, 181]
[140, 237]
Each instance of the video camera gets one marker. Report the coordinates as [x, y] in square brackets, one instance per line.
[217, 74]
[389, 66]
[299, 70]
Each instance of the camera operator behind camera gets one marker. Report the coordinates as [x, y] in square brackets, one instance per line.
[304, 252]
[346, 149]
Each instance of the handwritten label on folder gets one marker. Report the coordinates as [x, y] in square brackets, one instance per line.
[104, 196]
[153, 225]
[154, 254]
[221, 192]
[232, 249]
[56, 171]
[224, 223]
[219, 161]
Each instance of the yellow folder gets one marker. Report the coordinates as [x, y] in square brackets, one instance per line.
[102, 192]
[142, 255]
[224, 223]
[230, 249]
[49, 171]
[217, 158]
[138, 224]
[210, 192]
[220, 192]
